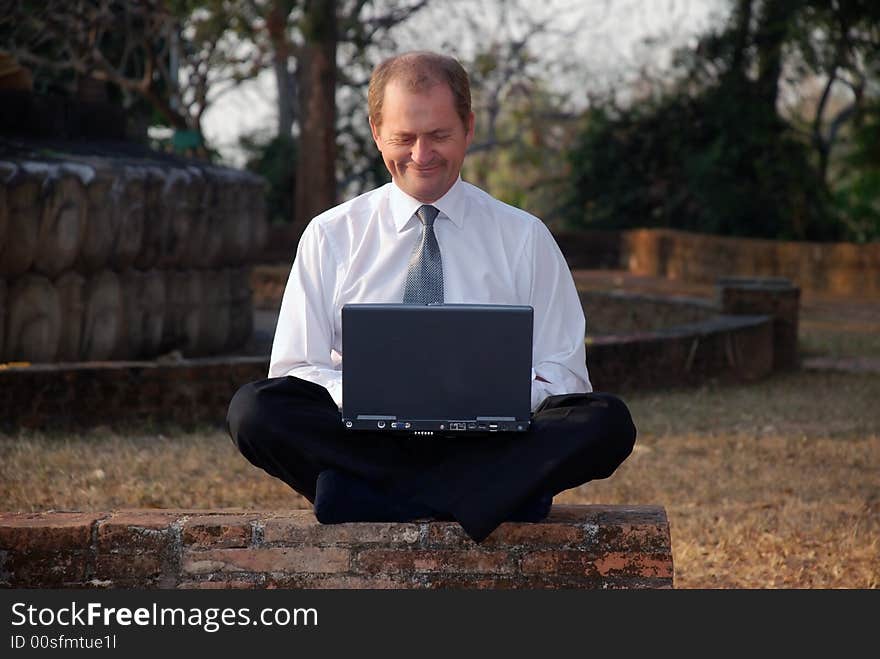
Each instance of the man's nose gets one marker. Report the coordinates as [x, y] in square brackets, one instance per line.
[421, 151]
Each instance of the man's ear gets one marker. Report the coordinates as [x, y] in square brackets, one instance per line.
[375, 131]
[469, 136]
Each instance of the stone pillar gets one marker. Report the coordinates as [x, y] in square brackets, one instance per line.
[771, 296]
[105, 258]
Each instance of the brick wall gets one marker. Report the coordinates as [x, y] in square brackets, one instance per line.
[576, 547]
[836, 268]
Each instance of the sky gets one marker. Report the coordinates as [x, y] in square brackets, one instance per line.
[590, 44]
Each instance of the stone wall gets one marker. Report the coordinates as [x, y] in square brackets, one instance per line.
[575, 547]
[724, 348]
[833, 268]
[187, 392]
[106, 258]
[749, 331]
[619, 312]
[775, 297]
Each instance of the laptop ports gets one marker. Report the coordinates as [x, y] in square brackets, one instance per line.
[457, 425]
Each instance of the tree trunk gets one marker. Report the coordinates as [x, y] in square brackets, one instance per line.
[285, 82]
[316, 167]
[743, 21]
[775, 18]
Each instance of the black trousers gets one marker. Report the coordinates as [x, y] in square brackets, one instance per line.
[293, 430]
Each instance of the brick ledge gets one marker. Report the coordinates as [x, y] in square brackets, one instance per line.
[582, 546]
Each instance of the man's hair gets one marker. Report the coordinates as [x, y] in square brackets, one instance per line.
[418, 71]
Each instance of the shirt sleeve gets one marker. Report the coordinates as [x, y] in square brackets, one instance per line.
[559, 353]
[304, 336]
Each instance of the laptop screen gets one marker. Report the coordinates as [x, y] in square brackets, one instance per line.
[446, 367]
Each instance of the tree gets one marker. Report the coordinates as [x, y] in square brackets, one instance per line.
[513, 105]
[180, 55]
[790, 42]
[712, 151]
[316, 179]
[306, 38]
[176, 55]
[513, 51]
[838, 42]
[522, 131]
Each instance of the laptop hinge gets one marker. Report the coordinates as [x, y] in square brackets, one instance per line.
[376, 417]
[496, 418]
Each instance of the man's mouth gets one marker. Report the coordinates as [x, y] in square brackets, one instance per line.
[424, 169]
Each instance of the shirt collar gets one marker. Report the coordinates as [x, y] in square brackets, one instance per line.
[450, 205]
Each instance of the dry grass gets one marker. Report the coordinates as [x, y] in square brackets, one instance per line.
[769, 485]
[102, 470]
[774, 485]
[834, 328]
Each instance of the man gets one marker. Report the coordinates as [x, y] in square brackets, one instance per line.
[375, 248]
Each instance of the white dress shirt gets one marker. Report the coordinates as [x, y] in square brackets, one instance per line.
[492, 253]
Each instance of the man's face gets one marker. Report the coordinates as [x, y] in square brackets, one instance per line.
[422, 139]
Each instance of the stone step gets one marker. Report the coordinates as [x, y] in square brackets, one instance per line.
[577, 546]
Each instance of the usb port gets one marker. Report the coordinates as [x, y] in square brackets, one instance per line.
[458, 425]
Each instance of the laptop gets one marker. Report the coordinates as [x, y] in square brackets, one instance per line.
[436, 369]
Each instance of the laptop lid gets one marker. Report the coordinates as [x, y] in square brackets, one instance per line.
[430, 368]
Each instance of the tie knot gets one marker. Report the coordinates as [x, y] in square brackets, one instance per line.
[427, 214]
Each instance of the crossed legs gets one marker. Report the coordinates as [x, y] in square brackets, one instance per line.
[292, 429]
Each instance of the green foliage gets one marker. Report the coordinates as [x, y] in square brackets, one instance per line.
[858, 192]
[711, 153]
[522, 163]
[521, 131]
[162, 61]
[275, 160]
[712, 164]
